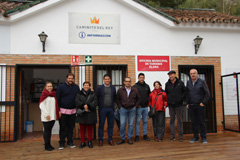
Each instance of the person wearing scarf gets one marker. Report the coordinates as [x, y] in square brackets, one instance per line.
[86, 102]
[158, 98]
[49, 113]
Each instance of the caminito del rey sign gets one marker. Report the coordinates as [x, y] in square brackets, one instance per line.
[93, 28]
[153, 63]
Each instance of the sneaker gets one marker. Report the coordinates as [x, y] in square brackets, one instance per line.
[194, 140]
[180, 139]
[61, 146]
[204, 141]
[159, 139]
[71, 145]
[172, 139]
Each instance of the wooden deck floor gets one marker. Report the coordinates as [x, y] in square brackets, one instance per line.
[220, 146]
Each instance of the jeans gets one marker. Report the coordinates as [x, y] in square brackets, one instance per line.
[47, 132]
[141, 112]
[103, 113]
[67, 124]
[124, 115]
[178, 112]
[159, 124]
[197, 115]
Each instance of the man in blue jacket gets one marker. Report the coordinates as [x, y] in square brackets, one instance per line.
[106, 95]
[66, 94]
[197, 98]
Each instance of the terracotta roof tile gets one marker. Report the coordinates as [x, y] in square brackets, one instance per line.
[9, 7]
[199, 16]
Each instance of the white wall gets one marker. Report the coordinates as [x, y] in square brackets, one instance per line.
[140, 35]
[4, 39]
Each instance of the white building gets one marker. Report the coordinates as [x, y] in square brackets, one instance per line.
[117, 34]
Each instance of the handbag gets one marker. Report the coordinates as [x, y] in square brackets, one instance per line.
[152, 111]
[81, 111]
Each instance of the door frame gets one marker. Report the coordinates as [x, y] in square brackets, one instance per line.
[18, 134]
[212, 90]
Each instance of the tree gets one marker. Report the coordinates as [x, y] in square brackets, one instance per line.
[230, 7]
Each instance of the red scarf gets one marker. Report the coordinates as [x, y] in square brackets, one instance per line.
[46, 94]
[157, 90]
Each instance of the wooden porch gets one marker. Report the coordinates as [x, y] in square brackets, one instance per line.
[224, 145]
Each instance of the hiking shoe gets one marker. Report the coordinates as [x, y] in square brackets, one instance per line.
[172, 139]
[61, 146]
[136, 139]
[194, 140]
[145, 137]
[204, 141]
[71, 145]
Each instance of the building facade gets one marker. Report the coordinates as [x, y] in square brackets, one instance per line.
[127, 34]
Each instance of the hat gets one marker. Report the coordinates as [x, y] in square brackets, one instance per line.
[171, 72]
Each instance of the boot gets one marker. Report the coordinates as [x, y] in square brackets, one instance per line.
[82, 145]
[90, 144]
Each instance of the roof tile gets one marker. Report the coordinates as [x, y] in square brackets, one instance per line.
[199, 16]
[9, 7]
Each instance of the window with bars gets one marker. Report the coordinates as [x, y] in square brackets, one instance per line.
[117, 73]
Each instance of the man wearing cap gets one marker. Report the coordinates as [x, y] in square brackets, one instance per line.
[176, 93]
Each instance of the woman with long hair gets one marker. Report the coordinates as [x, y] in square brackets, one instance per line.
[86, 102]
[49, 113]
[158, 98]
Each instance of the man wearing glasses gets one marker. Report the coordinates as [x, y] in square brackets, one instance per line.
[128, 99]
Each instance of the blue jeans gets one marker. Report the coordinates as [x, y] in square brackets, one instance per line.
[141, 112]
[124, 114]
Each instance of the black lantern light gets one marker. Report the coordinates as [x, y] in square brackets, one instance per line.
[43, 38]
[197, 43]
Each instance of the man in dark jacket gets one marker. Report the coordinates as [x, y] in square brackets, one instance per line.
[197, 98]
[66, 94]
[106, 95]
[128, 99]
[142, 110]
[176, 92]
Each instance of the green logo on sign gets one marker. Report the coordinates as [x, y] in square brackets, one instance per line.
[88, 59]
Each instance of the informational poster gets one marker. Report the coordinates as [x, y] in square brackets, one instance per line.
[153, 63]
[94, 28]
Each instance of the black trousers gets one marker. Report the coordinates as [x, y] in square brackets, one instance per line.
[47, 132]
[197, 115]
[159, 124]
[67, 124]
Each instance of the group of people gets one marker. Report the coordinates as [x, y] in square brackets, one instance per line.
[71, 105]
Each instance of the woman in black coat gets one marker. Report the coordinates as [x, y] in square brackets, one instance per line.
[86, 103]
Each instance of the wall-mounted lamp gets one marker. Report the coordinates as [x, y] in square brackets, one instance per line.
[43, 38]
[197, 43]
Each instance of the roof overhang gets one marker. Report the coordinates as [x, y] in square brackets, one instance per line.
[33, 10]
[166, 21]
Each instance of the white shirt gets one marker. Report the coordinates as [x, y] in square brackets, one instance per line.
[128, 90]
[48, 108]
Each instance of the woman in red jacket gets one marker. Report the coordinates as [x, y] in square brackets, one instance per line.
[158, 98]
